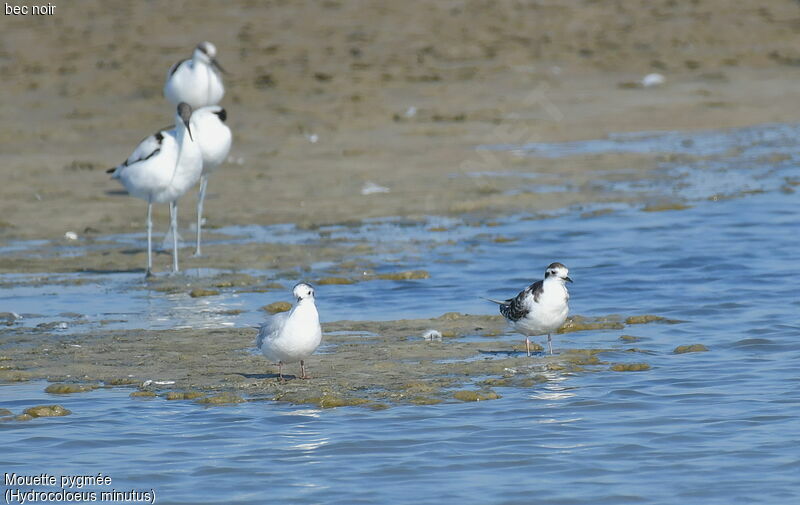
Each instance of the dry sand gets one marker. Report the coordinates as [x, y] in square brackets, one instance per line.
[81, 87]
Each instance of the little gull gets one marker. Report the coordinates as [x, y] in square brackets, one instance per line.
[540, 308]
[197, 80]
[289, 337]
[161, 169]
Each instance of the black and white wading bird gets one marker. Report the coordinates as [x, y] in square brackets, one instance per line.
[161, 169]
[540, 308]
[196, 80]
[289, 337]
[214, 139]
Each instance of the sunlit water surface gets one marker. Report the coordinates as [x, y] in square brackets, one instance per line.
[718, 427]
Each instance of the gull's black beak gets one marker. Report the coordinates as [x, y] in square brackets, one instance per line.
[567, 279]
[216, 65]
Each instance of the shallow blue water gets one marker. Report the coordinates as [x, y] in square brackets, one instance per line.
[718, 427]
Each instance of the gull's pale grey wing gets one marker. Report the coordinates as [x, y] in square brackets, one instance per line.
[270, 328]
[515, 308]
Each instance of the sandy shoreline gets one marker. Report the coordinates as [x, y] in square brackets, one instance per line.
[86, 86]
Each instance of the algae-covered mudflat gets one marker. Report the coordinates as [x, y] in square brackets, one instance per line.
[376, 364]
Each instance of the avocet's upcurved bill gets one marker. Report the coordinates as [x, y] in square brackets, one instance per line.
[292, 336]
[197, 80]
[540, 308]
[161, 169]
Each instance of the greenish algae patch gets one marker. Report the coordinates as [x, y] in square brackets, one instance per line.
[527, 382]
[14, 376]
[503, 240]
[276, 307]
[476, 396]
[334, 281]
[683, 349]
[328, 401]
[498, 382]
[200, 292]
[5, 412]
[564, 367]
[325, 401]
[629, 338]
[402, 276]
[143, 394]
[264, 288]
[649, 318]
[581, 323]
[630, 367]
[520, 381]
[121, 381]
[581, 356]
[64, 389]
[419, 387]
[183, 395]
[375, 406]
[661, 207]
[221, 399]
[47, 411]
[23, 417]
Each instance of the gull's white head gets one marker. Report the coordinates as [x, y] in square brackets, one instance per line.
[303, 291]
[557, 271]
[207, 53]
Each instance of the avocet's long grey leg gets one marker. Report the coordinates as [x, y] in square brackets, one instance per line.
[173, 218]
[550, 343]
[528, 345]
[148, 273]
[200, 198]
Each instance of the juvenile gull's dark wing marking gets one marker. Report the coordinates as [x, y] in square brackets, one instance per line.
[537, 288]
[514, 309]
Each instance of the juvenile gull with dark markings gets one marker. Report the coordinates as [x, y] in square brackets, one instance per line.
[541, 308]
